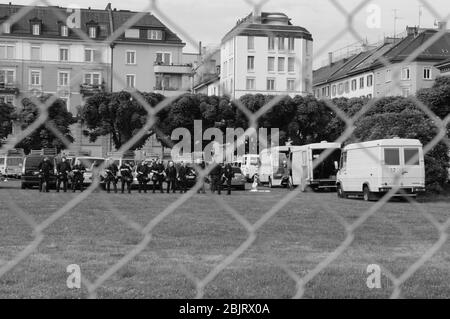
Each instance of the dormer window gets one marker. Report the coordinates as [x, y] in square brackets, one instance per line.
[92, 32]
[64, 31]
[36, 29]
[6, 27]
[154, 34]
[36, 26]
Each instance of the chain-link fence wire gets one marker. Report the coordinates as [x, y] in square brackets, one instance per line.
[349, 229]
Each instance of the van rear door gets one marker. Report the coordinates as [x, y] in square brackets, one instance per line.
[413, 173]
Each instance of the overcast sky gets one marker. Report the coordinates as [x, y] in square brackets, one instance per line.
[209, 20]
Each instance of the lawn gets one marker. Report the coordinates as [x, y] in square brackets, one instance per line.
[201, 233]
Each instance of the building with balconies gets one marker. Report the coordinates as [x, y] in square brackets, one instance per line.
[265, 53]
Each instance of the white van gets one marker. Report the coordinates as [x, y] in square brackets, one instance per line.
[250, 166]
[373, 168]
[271, 165]
[323, 176]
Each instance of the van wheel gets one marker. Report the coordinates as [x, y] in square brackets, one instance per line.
[340, 192]
[367, 196]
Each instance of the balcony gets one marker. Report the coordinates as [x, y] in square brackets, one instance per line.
[9, 88]
[91, 89]
[160, 67]
[170, 91]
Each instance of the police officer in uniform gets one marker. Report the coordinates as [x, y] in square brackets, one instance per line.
[63, 169]
[78, 176]
[182, 173]
[126, 176]
[158, 175]
[111, 176]
[216, 178]
[142, 175]
[171, 177]
[229, 174]
[45, 170]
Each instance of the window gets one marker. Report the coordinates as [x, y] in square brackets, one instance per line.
[361, 83]
[7, 77]
[427, 73]
[92, 32]
[406, 92]
[225, 68]
[411, 156]
[250, 63]
[92, 78]
[250, 83]
[291, 85]
[154, 34]
[281, 44]
[132, 33]
[131, 81]
[8, 99]
[340, 88]
[291, 65]
[6, 27]
[64, 31]
[327, 91]
[347, 87]
[281, 62]
[35, 53]
[7, 51]
[354, 85]
[406, 74]
[166, 58]
[369, 80]
[35, 77]
[250, 43]
[270, 84]
[63, 78]
[230, 66]
[271, 43]
[388, 75]
[131, 57]
[291, 44]
[271, 64]
[334, 90]
[63, 54]
[36, 28]
[391, 156]
[89, 55]
[343, 160]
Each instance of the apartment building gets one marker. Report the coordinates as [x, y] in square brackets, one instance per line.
[148, 56]
[394, 68]
[265, 53]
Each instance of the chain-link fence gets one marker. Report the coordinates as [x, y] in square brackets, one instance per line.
[252, 229]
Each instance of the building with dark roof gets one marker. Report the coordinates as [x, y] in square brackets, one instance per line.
[397, 67]
[75, 53]
[265, 53]
[444, 67]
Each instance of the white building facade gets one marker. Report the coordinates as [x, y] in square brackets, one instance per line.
[267, 56]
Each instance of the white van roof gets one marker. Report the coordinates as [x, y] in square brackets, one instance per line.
[385, 143]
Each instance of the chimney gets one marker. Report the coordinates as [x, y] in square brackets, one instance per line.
[442, 25]
[330, 58]
[200, 51]
[256, 14]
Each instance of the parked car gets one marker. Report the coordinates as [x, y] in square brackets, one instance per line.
[238, 181]
[30, 171]
[89, 164]
[374, 168]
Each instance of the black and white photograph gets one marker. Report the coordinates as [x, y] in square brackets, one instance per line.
[244, 151]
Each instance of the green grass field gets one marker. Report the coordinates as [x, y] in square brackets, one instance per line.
[200, 234]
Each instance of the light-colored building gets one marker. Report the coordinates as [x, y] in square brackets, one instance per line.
[148, 56]
[206, 73]
[264, 53]
[387, 70]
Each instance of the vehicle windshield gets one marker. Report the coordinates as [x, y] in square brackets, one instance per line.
[254, 161]
[237, 170]
[88, 162]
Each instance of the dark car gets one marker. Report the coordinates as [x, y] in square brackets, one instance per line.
[238, 181]
[30, 171]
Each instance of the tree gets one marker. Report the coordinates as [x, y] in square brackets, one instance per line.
[7, 115]
[119, 115]
[437, 98]
[43, 137]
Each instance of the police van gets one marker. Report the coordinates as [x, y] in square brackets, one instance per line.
[11, 163]
[371, 169]
[271, 165]
[315, 165]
